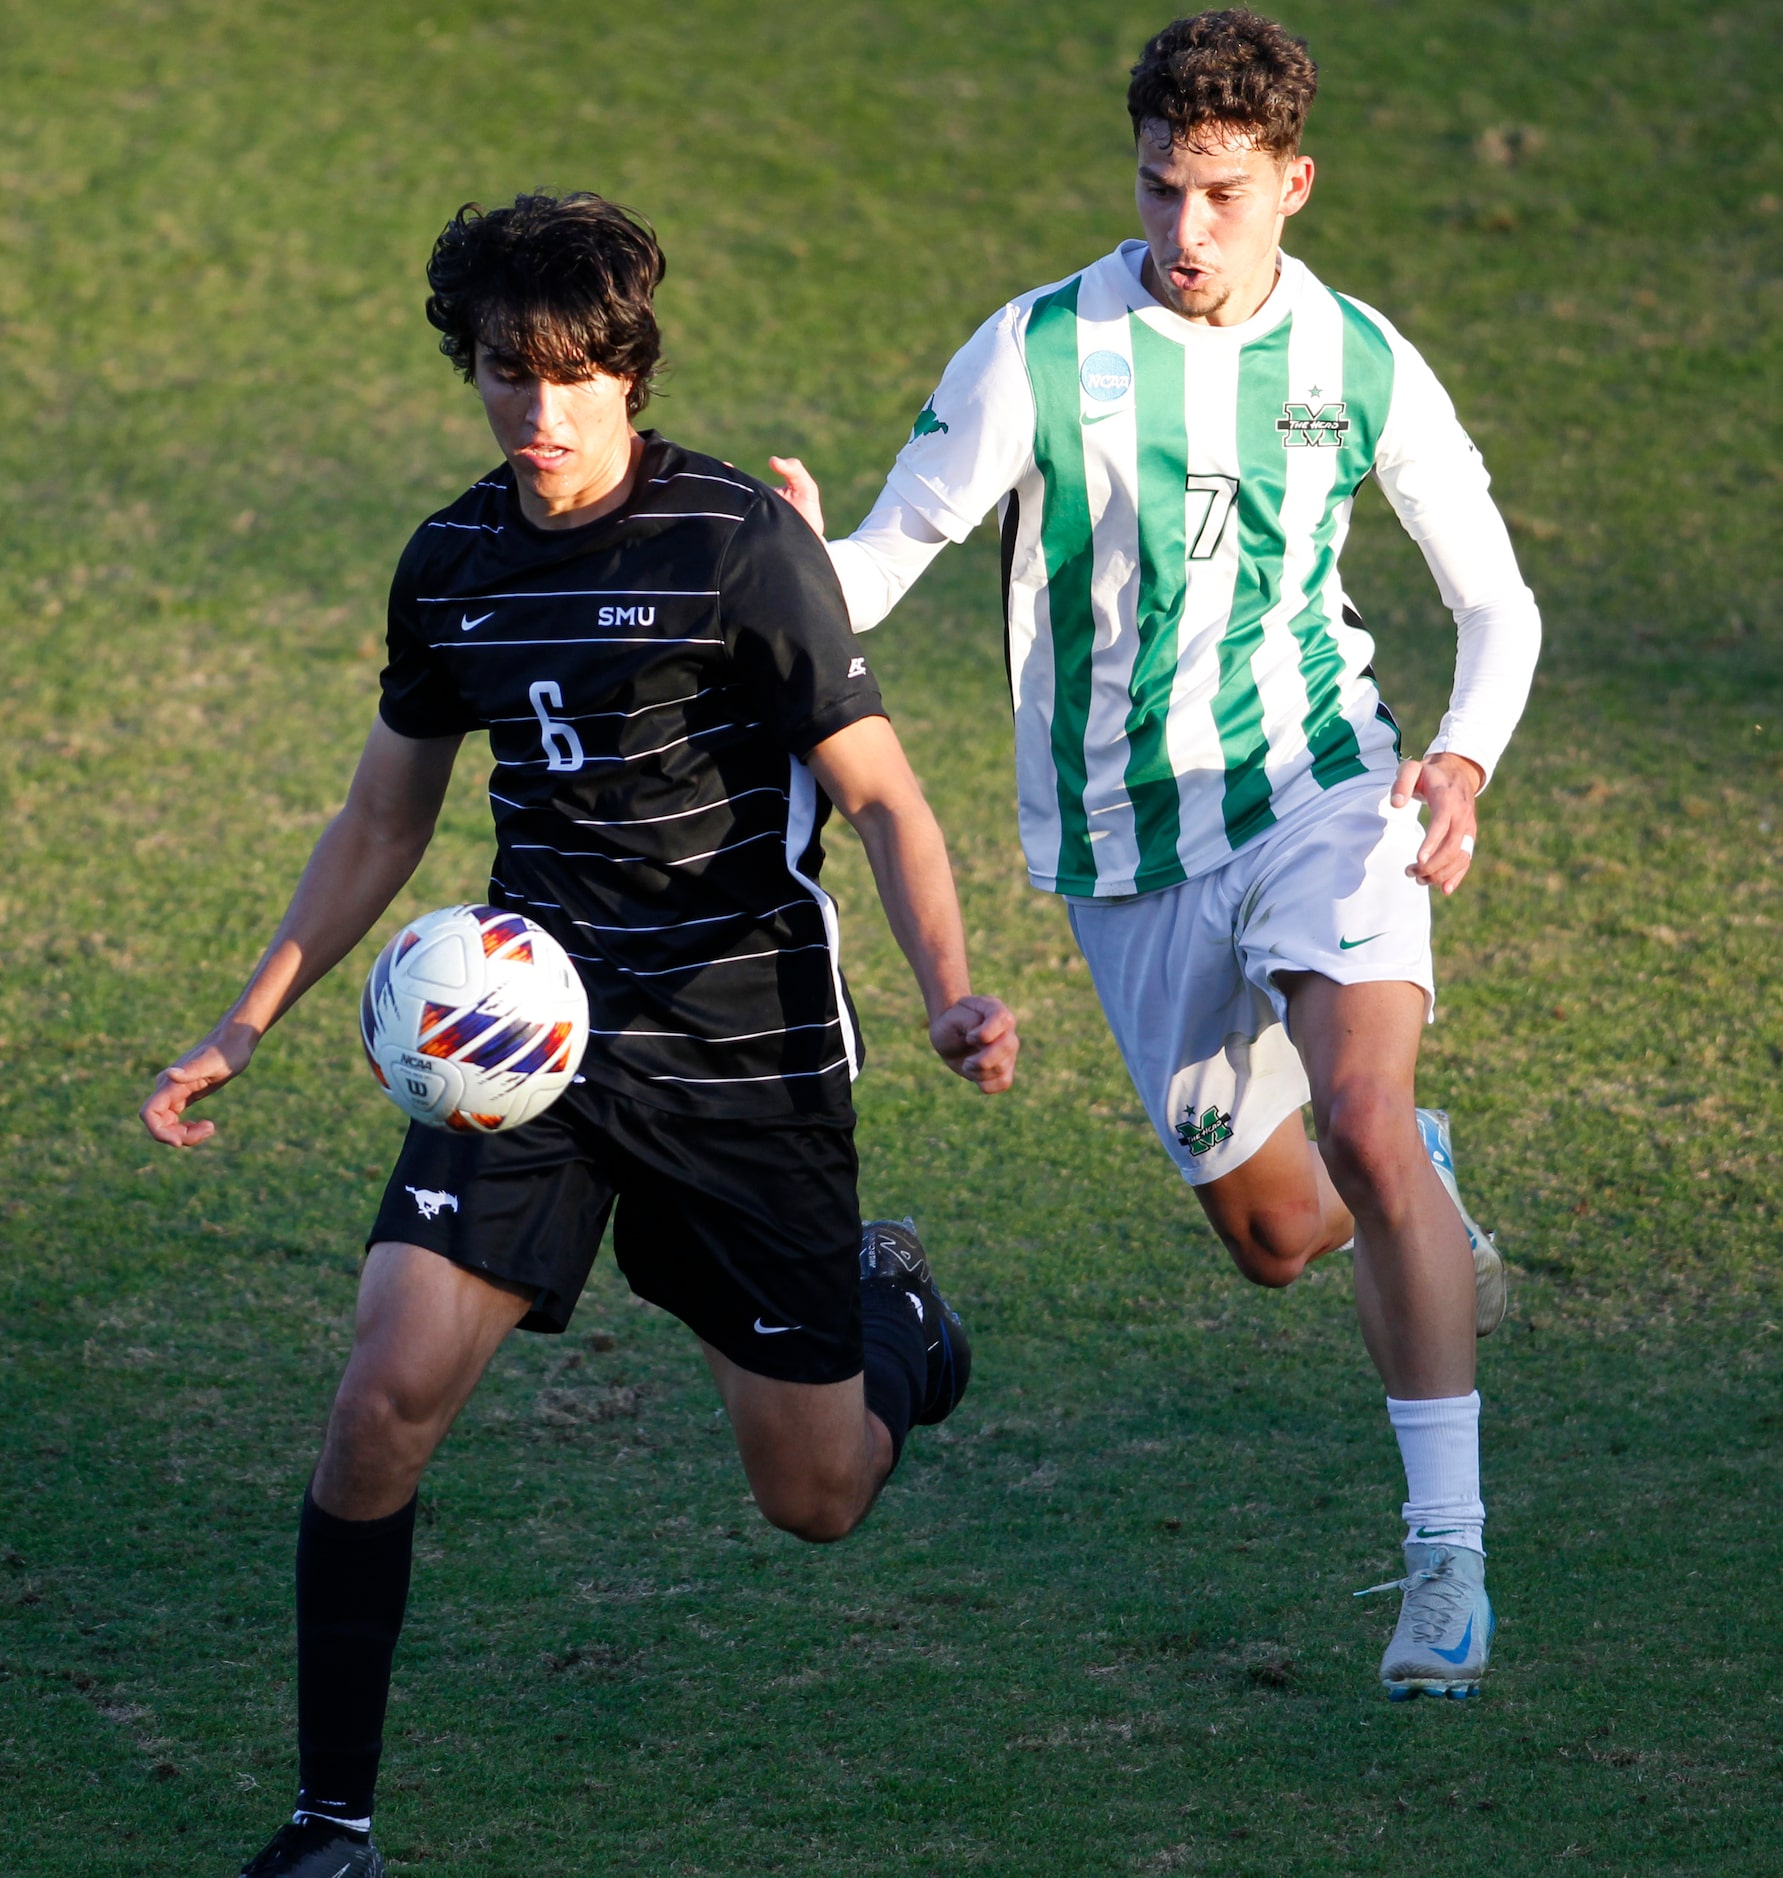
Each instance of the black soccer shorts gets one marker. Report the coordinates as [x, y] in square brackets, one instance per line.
[748, 1231]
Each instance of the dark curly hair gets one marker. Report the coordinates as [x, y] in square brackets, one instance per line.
[560, 284]
[1233, 72]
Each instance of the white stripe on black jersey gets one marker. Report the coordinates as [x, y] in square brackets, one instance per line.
[650, 683]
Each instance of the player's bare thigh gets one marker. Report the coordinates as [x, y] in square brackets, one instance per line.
[1360, 1047]
[423, 1333]
[815, 1456]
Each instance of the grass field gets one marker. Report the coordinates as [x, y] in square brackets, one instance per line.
[1101, 1623]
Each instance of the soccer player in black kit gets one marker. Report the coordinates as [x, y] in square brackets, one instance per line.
[662, 659]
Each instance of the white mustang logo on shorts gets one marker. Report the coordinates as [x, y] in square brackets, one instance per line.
[429, 1203]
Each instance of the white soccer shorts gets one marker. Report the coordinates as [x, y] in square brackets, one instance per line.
[1188, 975]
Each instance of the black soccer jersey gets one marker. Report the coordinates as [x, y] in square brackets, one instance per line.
[650, 682]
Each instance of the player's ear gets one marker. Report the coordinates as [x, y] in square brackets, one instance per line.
[1297, 175]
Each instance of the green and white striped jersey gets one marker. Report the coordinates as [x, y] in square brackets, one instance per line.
[1184, 667]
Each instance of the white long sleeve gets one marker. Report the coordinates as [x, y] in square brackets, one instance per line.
[1495, 653]
[880, 562]
[932, 495]
[1437, 484]
[1498, 629]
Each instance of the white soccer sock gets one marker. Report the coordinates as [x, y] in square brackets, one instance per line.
[1439, 1441]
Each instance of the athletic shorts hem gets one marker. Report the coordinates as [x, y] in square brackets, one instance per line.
[758, 1355]
[1343, 973]
[551, 1311]
[1191, 977]
[748, 1233]
[1258, 1132]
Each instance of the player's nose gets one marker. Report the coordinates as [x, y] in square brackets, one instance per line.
[1192, 222]
[546, 400]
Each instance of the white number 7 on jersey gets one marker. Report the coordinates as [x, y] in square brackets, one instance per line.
[563, 748]
[1216, 494]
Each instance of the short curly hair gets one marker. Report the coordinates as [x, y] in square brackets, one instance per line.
[1234, 73]
[561, 284]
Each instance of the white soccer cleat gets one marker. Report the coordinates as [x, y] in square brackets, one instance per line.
[1444, 1635]
[1490, 1294]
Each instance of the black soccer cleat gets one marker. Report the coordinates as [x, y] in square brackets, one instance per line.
[315, 1848]
[892, 1255]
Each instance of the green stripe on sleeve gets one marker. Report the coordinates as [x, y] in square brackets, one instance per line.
[1367, 390]
[1067, 546]
[1163, 584]
[1262, 482]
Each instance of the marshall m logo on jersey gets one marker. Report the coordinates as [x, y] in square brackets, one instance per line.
[1313, 427]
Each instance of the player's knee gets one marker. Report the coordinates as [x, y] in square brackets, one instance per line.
[1272, 1240]
[375, 1428]
[817, 1523]
[821, 1526]
[816, 1511]
[1365, 1137]
[1267, 1254]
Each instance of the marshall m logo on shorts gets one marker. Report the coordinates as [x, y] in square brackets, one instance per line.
[1199, 1136]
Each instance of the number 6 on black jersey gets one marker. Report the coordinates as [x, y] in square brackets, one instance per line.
[563, 748]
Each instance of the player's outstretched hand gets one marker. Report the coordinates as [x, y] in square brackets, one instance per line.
[1448, 783]
[976, 1039]
[220, 1058]
[801, 489]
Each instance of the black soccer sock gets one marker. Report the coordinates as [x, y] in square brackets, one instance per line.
[895, 1358]
[352, 1588]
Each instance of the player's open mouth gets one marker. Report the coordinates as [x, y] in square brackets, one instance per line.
[543, 455]
[1187, 279]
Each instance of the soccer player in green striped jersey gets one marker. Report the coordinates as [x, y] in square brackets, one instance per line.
[1173, 438]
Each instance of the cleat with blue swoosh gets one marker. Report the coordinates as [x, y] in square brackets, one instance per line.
[1444, 1635]
[1490, 1296]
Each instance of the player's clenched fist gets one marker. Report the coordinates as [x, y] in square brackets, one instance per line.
[976, 1038]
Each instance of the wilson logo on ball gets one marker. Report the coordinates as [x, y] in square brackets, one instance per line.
[474, 1019]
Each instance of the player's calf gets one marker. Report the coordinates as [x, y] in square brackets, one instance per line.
[817, 1454]
[814, 1458]
[1491, 1294]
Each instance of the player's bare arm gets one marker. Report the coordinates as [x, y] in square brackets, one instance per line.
[864, 771]
[360, 864]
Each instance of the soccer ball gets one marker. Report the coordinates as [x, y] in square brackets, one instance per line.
[473, 1019]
